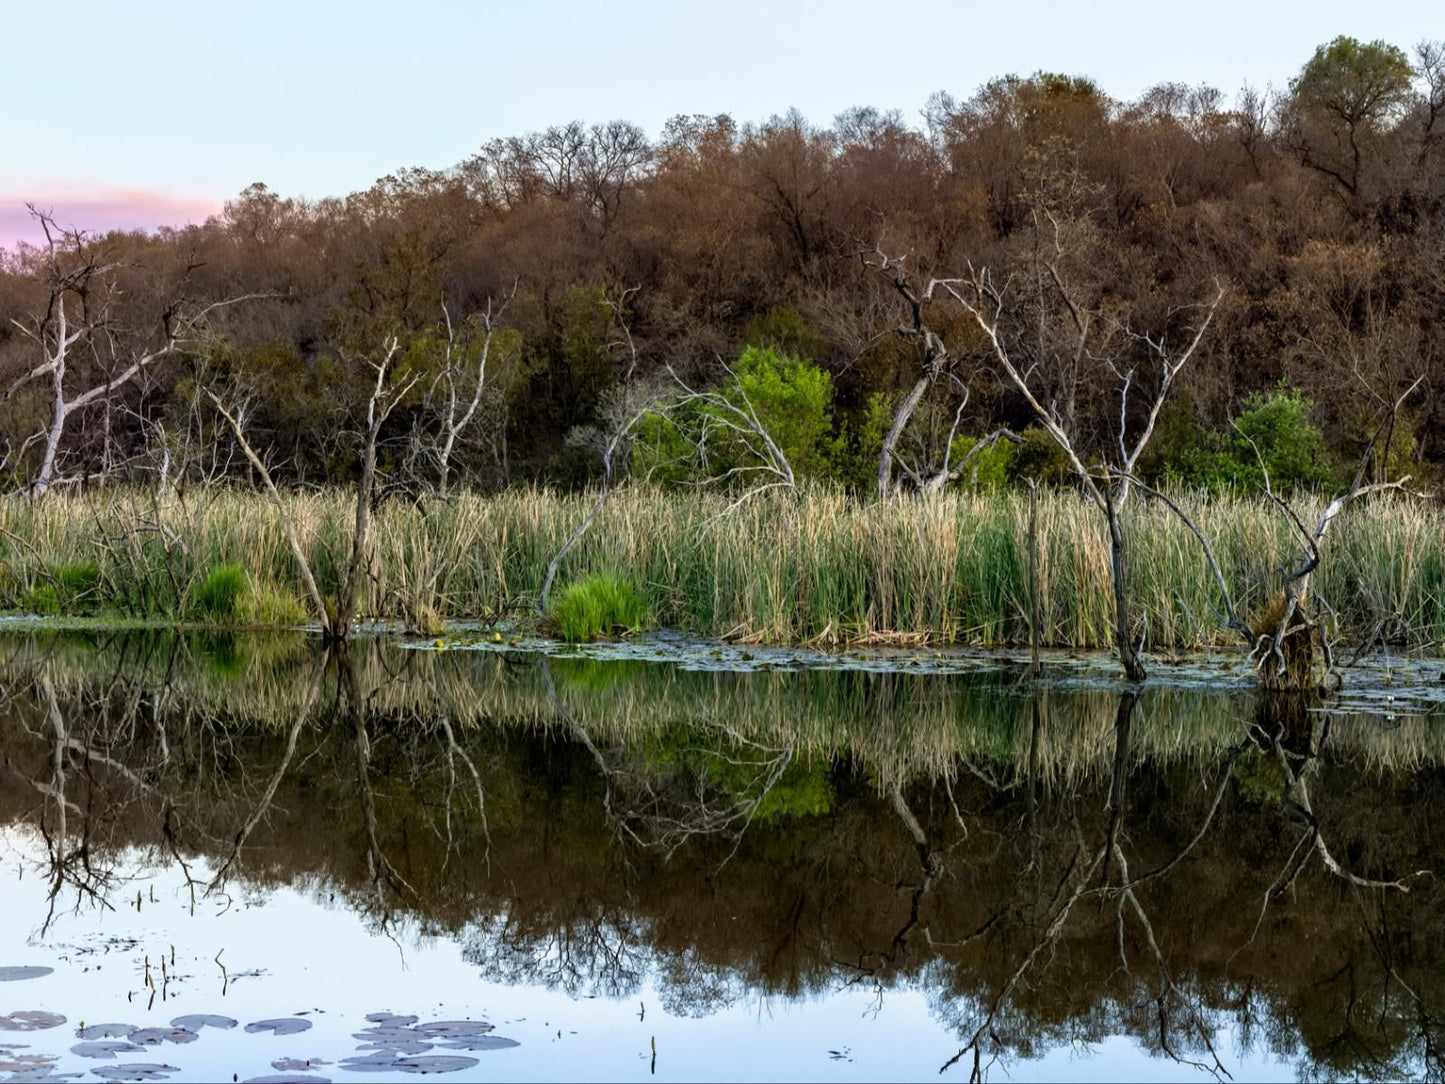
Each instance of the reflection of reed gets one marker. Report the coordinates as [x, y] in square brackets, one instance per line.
[899, 726]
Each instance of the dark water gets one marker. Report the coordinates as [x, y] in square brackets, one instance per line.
[523, 867]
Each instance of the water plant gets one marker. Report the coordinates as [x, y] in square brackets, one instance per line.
[600, 604]
[222, 593]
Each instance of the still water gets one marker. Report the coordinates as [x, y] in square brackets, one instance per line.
[225, 857]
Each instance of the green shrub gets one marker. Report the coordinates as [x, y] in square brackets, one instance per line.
[603, 603]
[1291, 446]
[792, 399]
[222, 595]
[991, 468]
[1274, 428]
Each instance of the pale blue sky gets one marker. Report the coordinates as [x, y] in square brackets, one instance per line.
[181, 104]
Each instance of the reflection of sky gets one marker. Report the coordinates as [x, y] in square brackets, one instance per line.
[316, 958]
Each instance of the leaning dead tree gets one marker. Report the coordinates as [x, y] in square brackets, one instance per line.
[90, 346]
[288, 525]
[1104, 482]
[936, 364]
[1291, 649]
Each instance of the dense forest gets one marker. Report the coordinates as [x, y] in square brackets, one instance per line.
[516, 309]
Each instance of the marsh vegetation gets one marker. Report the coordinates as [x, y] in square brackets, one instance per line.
[818, 566]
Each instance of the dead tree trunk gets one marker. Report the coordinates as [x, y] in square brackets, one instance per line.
[1118, 568]
[359, 568]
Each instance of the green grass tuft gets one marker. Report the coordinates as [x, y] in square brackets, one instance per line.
[71, 588]
[223, 594]
[603, 603]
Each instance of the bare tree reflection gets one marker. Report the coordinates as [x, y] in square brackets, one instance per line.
[676, 797]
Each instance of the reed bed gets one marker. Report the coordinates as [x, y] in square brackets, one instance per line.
[818, 567]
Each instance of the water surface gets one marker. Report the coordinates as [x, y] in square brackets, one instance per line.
[672, 860]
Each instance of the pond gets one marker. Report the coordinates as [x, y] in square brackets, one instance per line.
[228, 857]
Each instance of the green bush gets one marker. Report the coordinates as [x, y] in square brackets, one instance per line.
[1274, 429]
[991, 469]
[603, 603]
[222, 595]
[78, 579]
[793, 401]
[1291, 446]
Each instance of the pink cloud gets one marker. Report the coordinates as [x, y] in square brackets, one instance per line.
[98, 211]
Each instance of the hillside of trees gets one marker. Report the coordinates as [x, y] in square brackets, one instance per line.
[522, 305]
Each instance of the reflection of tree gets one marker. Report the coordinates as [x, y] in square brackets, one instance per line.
[684, 783]
[79, 774]
[589, 949]
[263, 804]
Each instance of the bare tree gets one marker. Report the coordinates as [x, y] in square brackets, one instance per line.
[385, 394]
[88, 351]
[936, 363]
[1106, 485]
[466, 353]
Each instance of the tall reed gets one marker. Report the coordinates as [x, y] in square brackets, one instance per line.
[816, 567]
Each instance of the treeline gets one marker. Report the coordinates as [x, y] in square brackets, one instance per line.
[521, 307]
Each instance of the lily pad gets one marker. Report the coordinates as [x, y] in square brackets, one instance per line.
[481, 1042]
[283, 1025]
[106, 1031]
[298, 1065]
[156, 1036]
[16, 974]
[10, 1062]
[30, 1020]
[391, 1019]
[398, 1046]
[435, 1063]
[386, 1034]
[108, 1048]
[455, 1029]
[197, 1021]
[136, 1071]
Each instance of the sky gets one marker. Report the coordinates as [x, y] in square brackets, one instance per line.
[155, 112]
